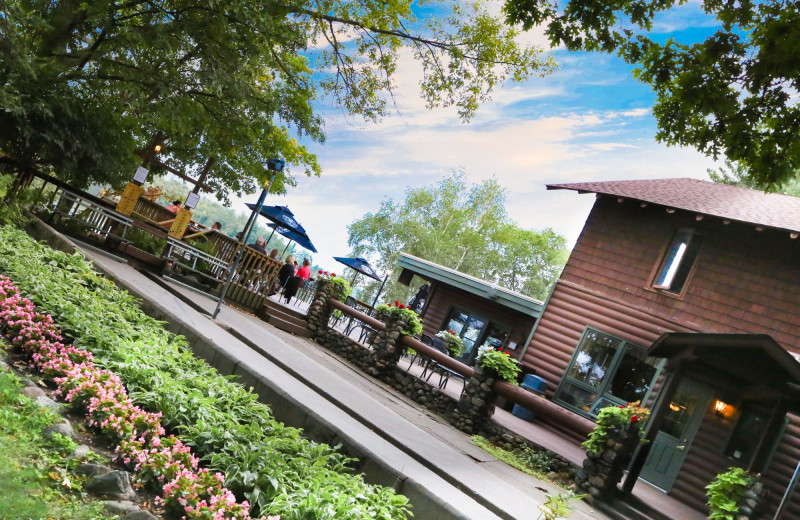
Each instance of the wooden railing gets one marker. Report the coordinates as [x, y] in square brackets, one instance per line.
[257, 272]
[151, 211]
[538, 405]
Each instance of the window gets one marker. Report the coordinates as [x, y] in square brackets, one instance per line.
[475, 331]
[752, 428]
[606, 371]
[678, 261]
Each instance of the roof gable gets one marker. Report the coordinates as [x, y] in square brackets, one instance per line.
[708, 198]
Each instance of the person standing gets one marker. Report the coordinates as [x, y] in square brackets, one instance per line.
[305, 271]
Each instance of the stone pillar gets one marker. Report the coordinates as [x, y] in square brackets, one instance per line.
[603, 471]
[477, 402]
[319, 312]
[751, 504]
[386, 350]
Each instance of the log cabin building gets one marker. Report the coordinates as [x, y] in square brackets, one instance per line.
[481, 313]
[684, 294]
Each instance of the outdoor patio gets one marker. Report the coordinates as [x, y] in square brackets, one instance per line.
[533, 431]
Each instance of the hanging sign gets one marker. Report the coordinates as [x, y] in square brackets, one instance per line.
[192, 200]
[141, 175]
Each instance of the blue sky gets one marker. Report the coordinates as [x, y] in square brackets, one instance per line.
[590, 120]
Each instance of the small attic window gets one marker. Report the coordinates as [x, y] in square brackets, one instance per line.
[678, 261]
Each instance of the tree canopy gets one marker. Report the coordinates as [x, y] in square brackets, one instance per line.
[83, 84]
[465, 227]
[733, 94]
[737, 175]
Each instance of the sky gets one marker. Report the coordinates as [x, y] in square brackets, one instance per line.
[588, 121]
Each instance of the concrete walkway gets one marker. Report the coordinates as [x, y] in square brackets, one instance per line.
[399, 443]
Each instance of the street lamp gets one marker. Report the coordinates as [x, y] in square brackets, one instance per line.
[276, 166]
[385, 278]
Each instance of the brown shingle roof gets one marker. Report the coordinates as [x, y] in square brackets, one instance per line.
[709, 198]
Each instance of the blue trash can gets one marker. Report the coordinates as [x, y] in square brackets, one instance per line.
[534, 384]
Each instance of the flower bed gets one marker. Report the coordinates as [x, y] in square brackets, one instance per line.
[138, 433]
[264, 462]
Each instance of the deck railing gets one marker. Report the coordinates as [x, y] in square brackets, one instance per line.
[151, 211]
[251, 283]
[538, 405]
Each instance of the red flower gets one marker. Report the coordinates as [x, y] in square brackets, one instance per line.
[402, 306]
[333, 274]
[635, 418]
[622, 407]
[397, 303]
[451, 332]
[320, 271]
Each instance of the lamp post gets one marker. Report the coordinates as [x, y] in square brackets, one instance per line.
[276, 166]
[385, 278]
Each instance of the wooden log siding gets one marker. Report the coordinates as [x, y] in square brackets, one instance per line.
[745, 281]
[570, 310]
[444, 298]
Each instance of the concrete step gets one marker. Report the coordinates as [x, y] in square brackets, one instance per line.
[291, 327]
[630, 508]
[270, 314]
[284, 318]
[282, 310]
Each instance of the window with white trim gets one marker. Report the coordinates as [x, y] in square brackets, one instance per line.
[678, 261]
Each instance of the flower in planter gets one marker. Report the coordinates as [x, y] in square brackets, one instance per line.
[400, 311]
[501, 362]
[614, 418]
[455, 344]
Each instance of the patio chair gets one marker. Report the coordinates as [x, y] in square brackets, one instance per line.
[336, 320]
[433, 367]
[427, 339]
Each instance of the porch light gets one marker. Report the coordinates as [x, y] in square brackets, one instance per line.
[157, 148]
[720, 407]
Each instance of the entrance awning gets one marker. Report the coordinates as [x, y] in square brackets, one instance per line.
[754, 358]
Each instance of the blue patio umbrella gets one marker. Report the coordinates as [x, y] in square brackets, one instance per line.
[360, 265]
[301, 240]
[282, 216]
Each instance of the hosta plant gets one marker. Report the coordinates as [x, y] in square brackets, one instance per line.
[501, 362]
[726, 493]
[613, 418]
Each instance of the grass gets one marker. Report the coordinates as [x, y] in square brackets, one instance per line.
[535, 463]
[35, 481]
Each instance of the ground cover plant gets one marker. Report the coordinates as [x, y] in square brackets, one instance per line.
[266, 463]
[540, 464]
[34, 477]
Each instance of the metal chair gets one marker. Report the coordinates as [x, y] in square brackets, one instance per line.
[433, 367]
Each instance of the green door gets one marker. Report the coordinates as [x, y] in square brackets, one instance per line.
[682, 419]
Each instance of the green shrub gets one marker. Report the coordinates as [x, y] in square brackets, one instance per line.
[264, 461]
